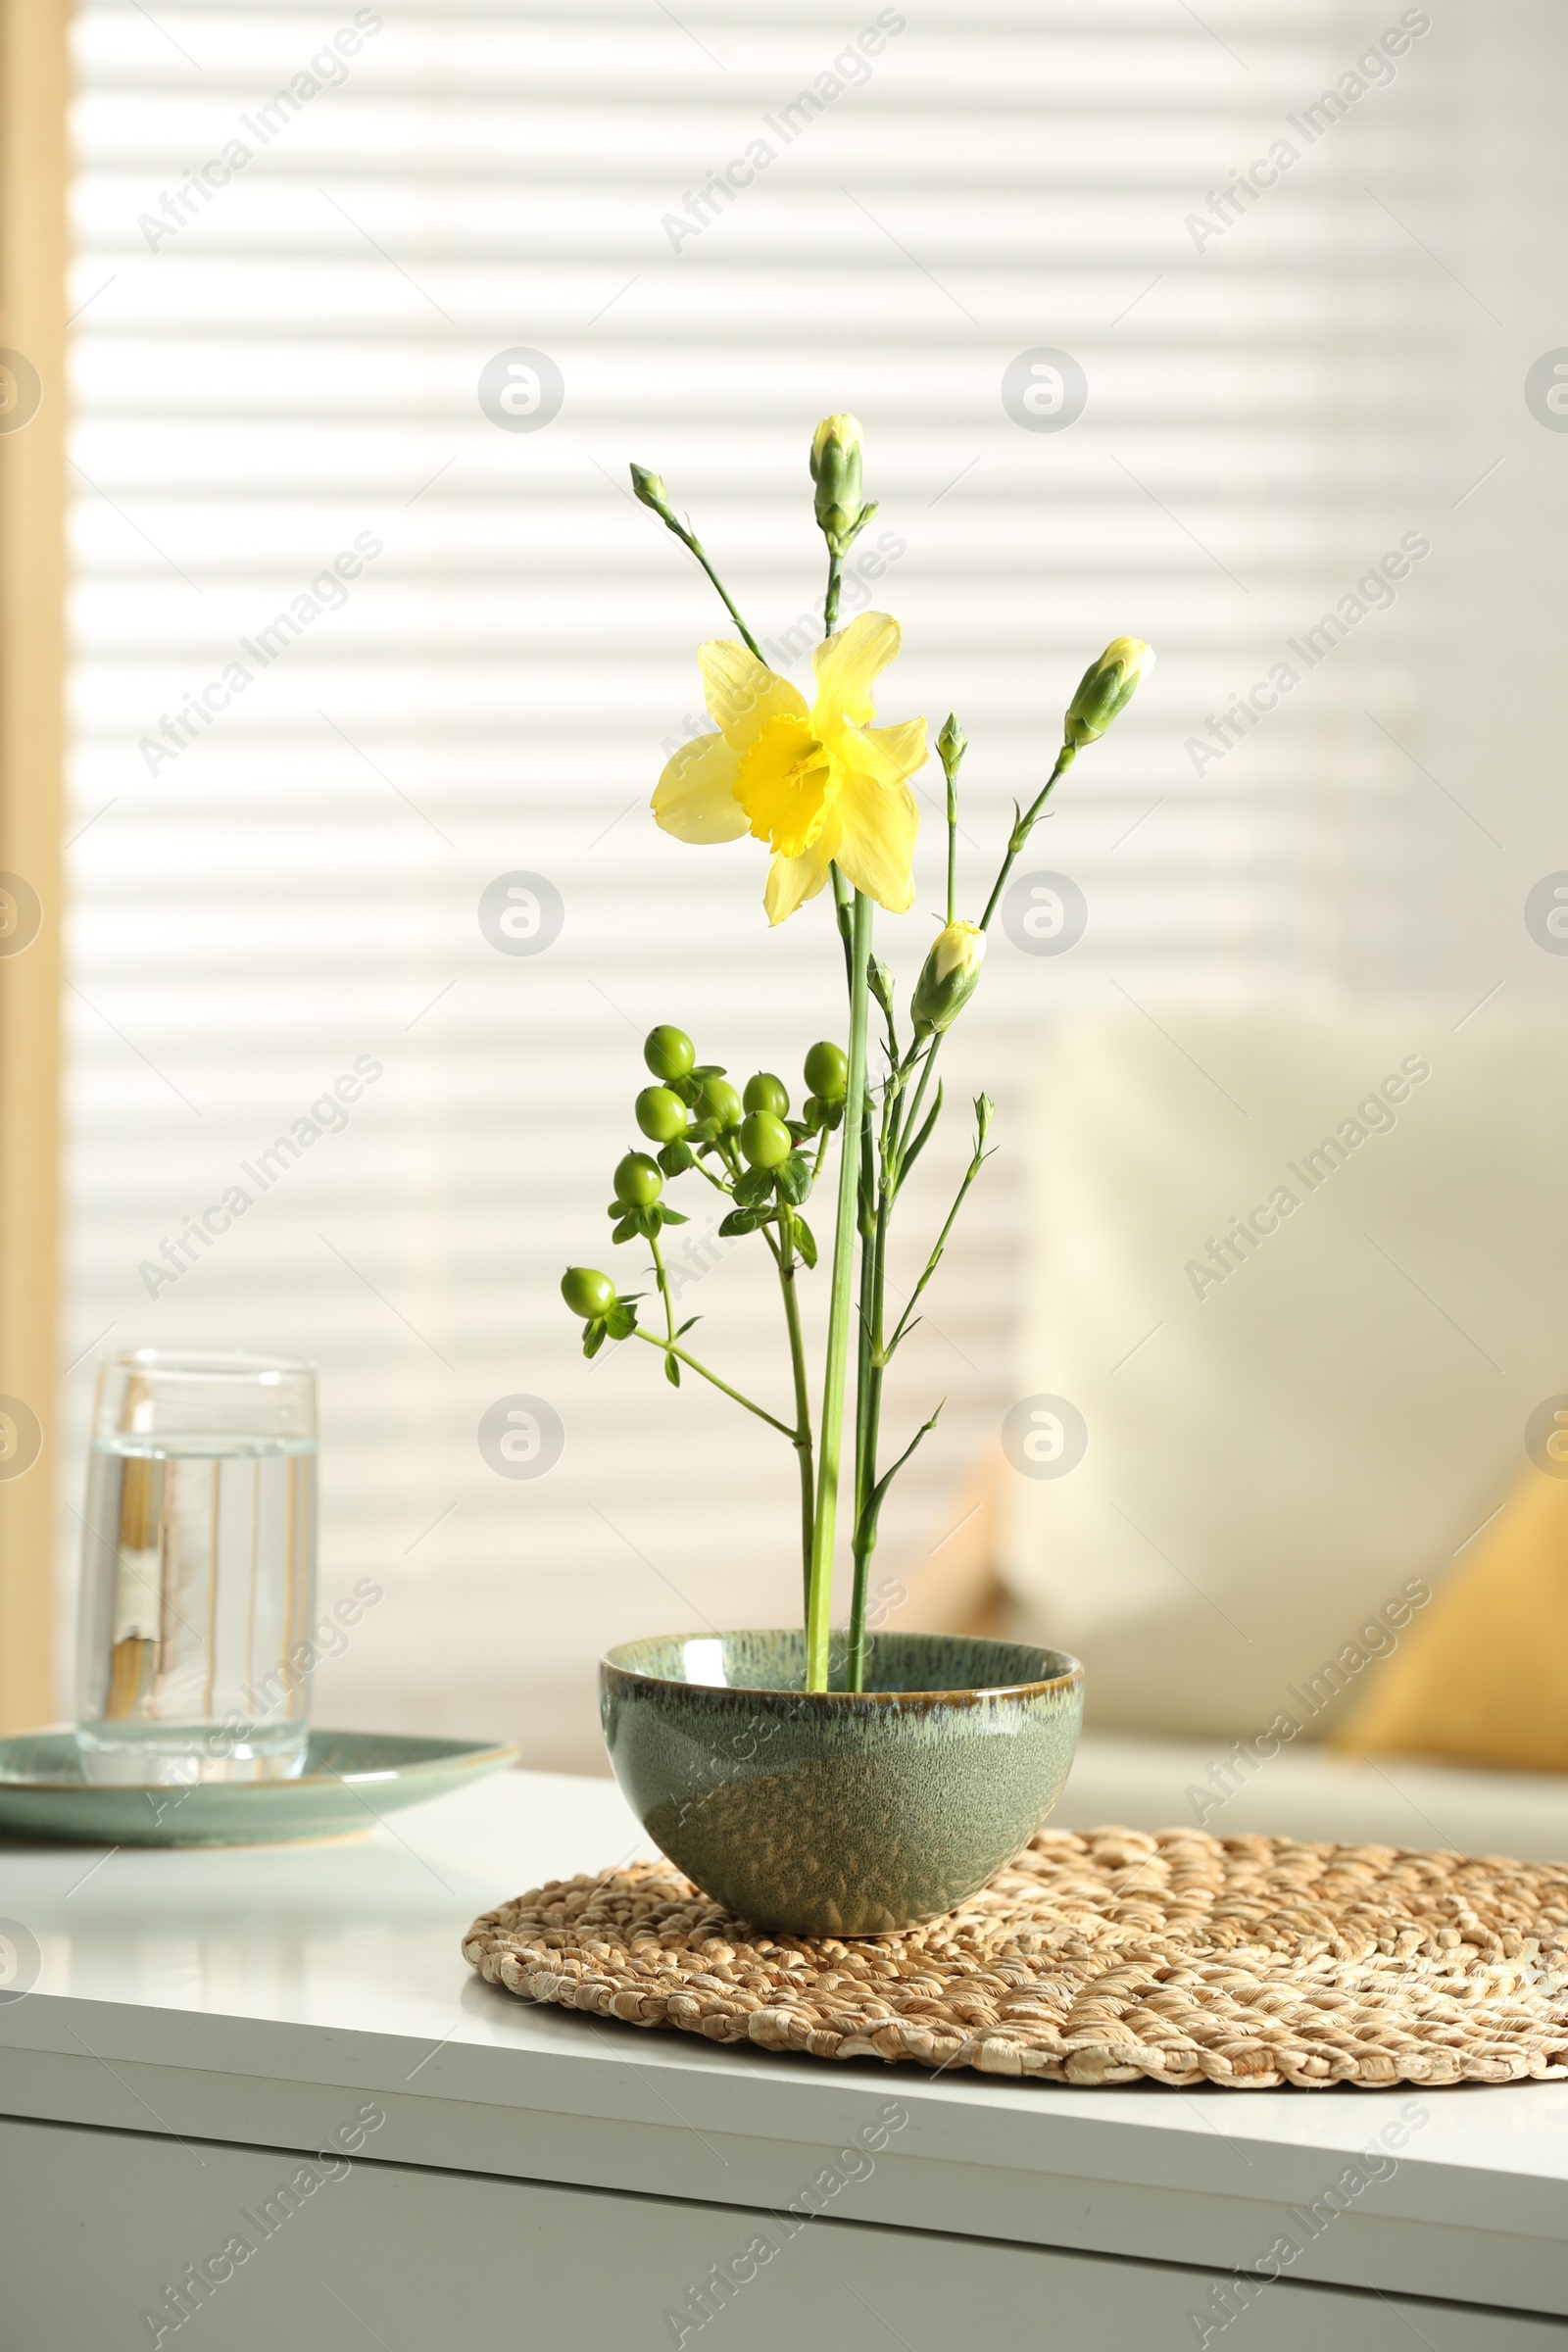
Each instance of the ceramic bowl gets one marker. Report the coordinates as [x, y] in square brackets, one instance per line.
[832, 1813]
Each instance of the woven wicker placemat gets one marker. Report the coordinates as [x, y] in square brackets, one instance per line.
[1099, 1958]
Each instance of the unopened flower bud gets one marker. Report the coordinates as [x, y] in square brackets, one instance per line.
[650, 488]
[880, 979]
[1105, 686]
[836, 441]
[951, 744]
[836, 471]
[949, 977]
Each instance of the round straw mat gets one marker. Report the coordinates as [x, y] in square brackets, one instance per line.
[1099, 1958]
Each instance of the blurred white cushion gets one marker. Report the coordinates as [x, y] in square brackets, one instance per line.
[1311, 1793]
[1272, 1457]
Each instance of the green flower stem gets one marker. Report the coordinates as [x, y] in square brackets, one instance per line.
[865, 1543]
[873, 1360]
[668, 1348]
[820, 1593]
[842, 897]
[663, 1286]
[909, 1127]
[803, 1398]
[867, 1492]
[866, 1224]
[899, 1126]
[952, 845]
[873, 1164]
[830, 602]
[1024, 826]
[977, 1162]
[689, 539]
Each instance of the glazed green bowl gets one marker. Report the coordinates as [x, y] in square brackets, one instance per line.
[837, 1813]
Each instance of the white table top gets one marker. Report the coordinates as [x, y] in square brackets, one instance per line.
[256, 1996]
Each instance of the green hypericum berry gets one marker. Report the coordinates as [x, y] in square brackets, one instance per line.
[765, 1091]
[587, 1293]
[827, 1073]
[660, 1114]
[638, 1181]
[765, 1140]
[668, 1052]
[719, 1101]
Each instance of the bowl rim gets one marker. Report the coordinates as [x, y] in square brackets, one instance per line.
[611, 1663]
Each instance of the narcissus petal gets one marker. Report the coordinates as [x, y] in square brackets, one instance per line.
[790, 881]
[742, 694]
[695, 797]
[889, 753]
[878, 823]
[847, 666]
[786, 783]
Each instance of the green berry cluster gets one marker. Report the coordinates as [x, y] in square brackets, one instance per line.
[746, 1143]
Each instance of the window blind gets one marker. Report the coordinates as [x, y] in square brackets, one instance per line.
[376, 662]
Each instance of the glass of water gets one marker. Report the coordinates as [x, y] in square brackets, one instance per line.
[198, 1570]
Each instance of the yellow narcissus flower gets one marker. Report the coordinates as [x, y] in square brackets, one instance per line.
[818, 786]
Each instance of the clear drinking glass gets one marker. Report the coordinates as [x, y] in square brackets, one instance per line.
[198, 1570]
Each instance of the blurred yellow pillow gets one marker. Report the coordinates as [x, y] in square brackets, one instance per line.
[1482, 1675]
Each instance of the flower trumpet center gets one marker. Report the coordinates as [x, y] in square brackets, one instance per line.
[786, 784]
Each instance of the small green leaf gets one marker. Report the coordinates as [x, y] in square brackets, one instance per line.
[742, 1220]
[704, 1131]
[671, 1217]
[794, 1178]
[593, 1338]
[753, 1188]
[687, 1326]
[625, 1229]
[804, 1242]
[675, 1159]
[705, 1069]
[925, 1137]
[673, 1371]
[622, 1320]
